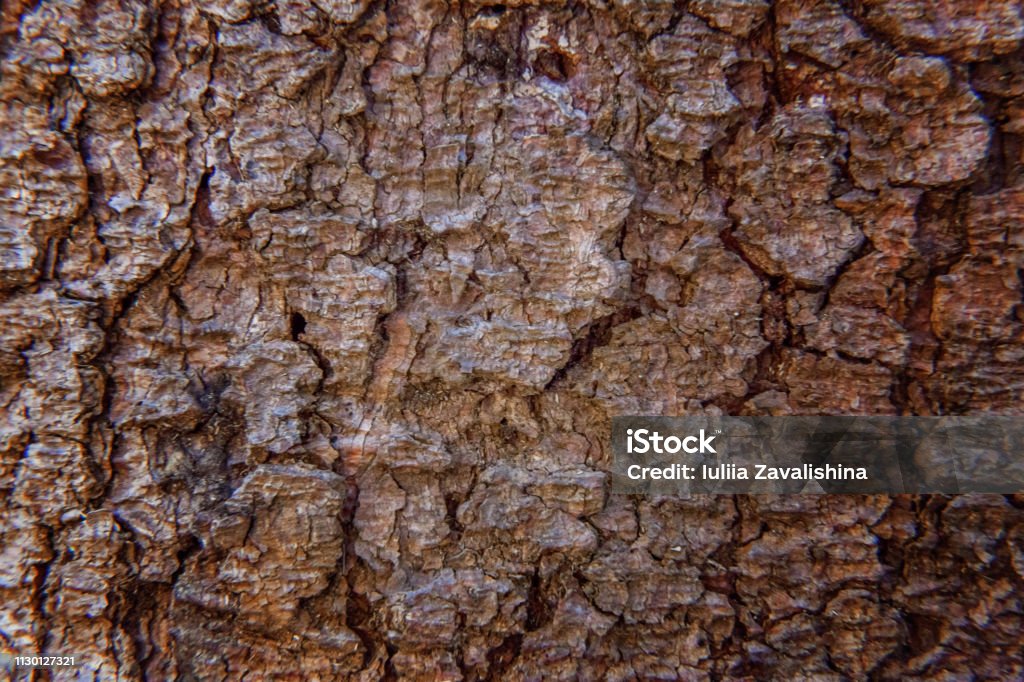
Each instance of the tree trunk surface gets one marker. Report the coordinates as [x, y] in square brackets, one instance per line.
[315, 315]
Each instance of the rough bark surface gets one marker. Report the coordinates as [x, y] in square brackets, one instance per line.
[315, 313]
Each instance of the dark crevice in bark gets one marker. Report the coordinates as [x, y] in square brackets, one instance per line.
[596, 334]
[538, 610]
[501, 658]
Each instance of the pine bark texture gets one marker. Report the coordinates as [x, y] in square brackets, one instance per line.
[315, 313]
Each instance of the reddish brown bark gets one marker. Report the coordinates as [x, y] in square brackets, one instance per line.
[315, 314]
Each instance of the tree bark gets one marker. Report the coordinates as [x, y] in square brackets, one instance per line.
[315, 314]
